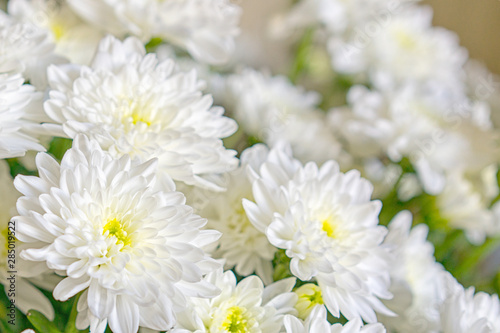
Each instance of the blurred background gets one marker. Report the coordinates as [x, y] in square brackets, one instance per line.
[478, 25]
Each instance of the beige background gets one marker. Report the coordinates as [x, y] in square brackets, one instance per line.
[477, 22]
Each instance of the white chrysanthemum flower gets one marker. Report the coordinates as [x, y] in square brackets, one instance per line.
[133, 250]
[328, 225]
[132, 104]
[241, 307]
[261, 103]
[317, 322]
[20, 284]
[337, 17]
[405, 47]
[242, 246]
[438, 130]
[271, 109]
[309, 298]
[26, 49]
[303, 131]
[21, 112]
[415, 278]
[73, 38]
[466, 312]
[465, 204]
[205, 28]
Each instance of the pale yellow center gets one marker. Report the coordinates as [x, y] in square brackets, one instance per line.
[405, 40]
[116, 229]
[57, 30]
[328, 226]
[309, 295]
[236, 321]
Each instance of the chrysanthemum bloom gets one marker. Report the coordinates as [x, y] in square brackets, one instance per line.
[309, 298]
[437, 129]
[465, 204]
[27, 296]
[73, 38]
[317, 322]
[416, 281]
[242, 246]
[205, 28]
[132, 104]
[241, 307]
[26, 49]
[463, 311]
[133, 249]
[328, 225]
[20, 111]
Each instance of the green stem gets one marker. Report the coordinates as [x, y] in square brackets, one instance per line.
[302, 55]
[474, 259]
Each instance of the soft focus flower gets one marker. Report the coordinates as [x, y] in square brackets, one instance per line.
[132, 104]
[205, 28]
[242, 246]
[73, 38]
[26, 49]
[21, 111]
[241, 307]
[317, 322]
[438, 130]
[261, 103]
[328, 225]
[26, 295]
[416, 281]
[132, 249]
[403, 47]
[464, 312]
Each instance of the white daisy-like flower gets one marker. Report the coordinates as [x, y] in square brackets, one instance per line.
[205, 28]
[328, 225]
[271, 109]
[21, 112]
[465, 204]
[317, 322]
[26, 49]
[27, 275]
[132, 104]
[242, 246]
[262, 103]
[404, 47]
[437, 129]
[134, 250]
[337, 17]
[246, 306]
[73, 38]
[416, 281]
[465, 311]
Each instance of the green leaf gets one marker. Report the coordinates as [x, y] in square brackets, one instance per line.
[153, 44]
[59, 146]
[4, 327]
[41, 324]
[71, 325]
[302, 55]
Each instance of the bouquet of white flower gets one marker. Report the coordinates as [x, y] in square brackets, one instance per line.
[324, 166]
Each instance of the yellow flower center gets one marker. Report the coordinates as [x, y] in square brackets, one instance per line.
[329, 227]
[236, 321]
[57, 30]
[137, 110]
[406, 40]
[114, 228]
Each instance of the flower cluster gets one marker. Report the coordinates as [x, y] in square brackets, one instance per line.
[155, 179]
